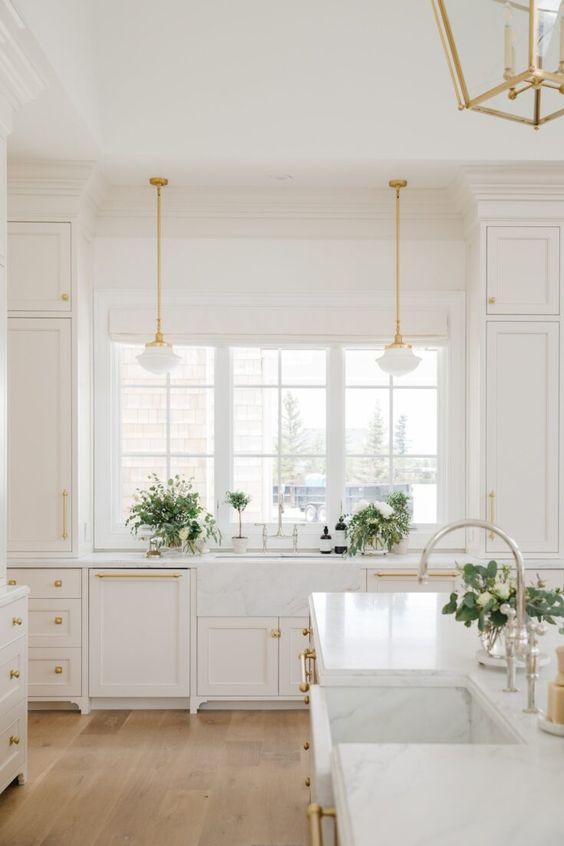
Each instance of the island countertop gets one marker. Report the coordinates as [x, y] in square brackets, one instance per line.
[444, 794]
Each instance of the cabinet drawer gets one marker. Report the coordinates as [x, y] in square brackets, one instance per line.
[13, 620]
[55, 672]
[49, 581]
[13, 742]
[55, 622]
[13, 673]
[405, 581]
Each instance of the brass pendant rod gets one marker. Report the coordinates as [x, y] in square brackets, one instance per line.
[397, 185]
[159, 182]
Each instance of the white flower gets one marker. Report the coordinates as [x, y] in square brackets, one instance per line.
[484, 598]
[385, 510]
[502, 590]
[360, 506]
[183, 533]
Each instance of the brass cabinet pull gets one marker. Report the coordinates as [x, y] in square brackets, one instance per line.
[17, 621]
[491, 300]
[306, 745]
[306, 675]
[14, 674]
[306, 700]
[491, 497]
[12, 581]
[65, 514]
[65, 298]
[307, 632]
[307, 781]
[138, 575]
[58, 583]
[58, 621]
[58, 670]
[315, 814]
[412, 574]
[275, 633]
[14, 740]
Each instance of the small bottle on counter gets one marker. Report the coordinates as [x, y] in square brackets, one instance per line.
[555, 708]
[340, 536]
[326, 542]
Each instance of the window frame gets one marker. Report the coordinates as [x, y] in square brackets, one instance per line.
[450, 410]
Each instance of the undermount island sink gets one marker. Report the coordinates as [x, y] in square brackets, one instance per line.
[419, 712]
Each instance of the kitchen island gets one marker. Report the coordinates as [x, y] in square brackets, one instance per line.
[489, 776]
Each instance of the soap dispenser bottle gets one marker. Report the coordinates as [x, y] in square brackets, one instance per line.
[325, 542]
[555, 706]
[340, 536]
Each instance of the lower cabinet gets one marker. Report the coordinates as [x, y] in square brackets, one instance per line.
[139, 633]
[250, 656]
[406, 581]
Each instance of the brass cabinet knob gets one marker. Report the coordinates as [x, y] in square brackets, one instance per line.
[307, 781]
[58, 583]
[14, 674]
[306, 632]
[306, 745]
[65, 297]
[491, 300]
[12, 581]
[58, 621]
[14, 740]
[58, 670]
[306, 700]
[17, 621]
[275, 633]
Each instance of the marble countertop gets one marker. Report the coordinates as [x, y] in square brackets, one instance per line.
[418, 794]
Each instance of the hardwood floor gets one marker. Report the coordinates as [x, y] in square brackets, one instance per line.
[161, 778]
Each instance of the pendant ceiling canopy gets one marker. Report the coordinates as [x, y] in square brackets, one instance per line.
[505, 57]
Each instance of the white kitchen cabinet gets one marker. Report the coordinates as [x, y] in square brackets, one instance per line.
[294, 638]
[139, 633]
[39, 435]
[238, 656]
[522, 434]
[39, 266]
[523, 269]
[406, 581]
[551, 578]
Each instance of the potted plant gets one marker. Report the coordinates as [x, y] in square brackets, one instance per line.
[375, 527]
[239, 501]
[174, 514]
[400, 503]
[483, 592]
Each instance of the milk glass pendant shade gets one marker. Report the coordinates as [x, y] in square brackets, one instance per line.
[398, 358]
[505, 57]
[158, 356]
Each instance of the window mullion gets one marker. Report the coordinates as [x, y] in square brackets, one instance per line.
[391, 434]
[335, 433]
[223, 439]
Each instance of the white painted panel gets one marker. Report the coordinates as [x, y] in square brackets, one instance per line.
[39, 434]
[39, 266]
[139, 633]
[522, 433]
[13, 673]
[55, 672]
[55, 622]
[292, 642]
[13, 724]
[395, 583]
[13, 620]
[48, 581]
[523, 269]
[237, 656]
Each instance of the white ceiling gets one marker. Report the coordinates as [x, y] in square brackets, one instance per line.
[251, 92]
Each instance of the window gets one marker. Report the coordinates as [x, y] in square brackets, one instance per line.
[166, 423]
[279, 432]
[391, 432]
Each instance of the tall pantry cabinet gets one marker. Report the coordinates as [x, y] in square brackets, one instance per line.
[514, 378]
[48, 501]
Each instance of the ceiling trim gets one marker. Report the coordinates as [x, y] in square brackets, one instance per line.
[21, 78]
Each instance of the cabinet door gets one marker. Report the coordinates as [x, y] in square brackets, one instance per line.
[39, 266]
[238, 656]
[523, 269]
[382, 581]
[39, 435]
[294, 638]
[139, 633]
[522, 434]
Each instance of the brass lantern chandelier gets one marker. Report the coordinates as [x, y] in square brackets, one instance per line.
[505, 57]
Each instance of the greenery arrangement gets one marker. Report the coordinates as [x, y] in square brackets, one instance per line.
[239, 501]
[378, 523]
[174, 514]
[485, 589]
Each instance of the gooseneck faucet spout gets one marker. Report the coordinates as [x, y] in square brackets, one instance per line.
[516, 638]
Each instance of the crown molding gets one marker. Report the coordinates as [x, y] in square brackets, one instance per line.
[22, 72]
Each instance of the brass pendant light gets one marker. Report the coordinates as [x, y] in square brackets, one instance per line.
[158, 356]
[398, 358]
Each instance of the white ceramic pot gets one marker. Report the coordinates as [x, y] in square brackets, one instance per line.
[240, 545]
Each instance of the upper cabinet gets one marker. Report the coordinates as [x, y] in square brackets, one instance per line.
[39, 266]
[523, 269]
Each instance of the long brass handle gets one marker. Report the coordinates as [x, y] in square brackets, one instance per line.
[411, 574]
[138, 575]
[306, 655]
[315, 814]
[491, 497]
[65, 514]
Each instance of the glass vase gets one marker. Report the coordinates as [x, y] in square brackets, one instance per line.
[493, 642]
